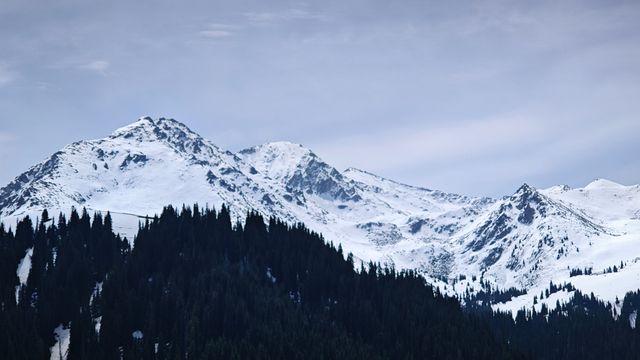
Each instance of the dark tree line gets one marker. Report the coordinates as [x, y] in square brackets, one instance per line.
[584, 328]
[68, 259]
[197, 286]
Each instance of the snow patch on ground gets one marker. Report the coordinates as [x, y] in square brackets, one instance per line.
[526, 302]
[607, 287]
[96, 289]
[610, 286]
[60, 349]
[270, 276]
[24, 267]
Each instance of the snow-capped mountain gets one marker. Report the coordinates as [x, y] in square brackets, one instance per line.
[523, 240]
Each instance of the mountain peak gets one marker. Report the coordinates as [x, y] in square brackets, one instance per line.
[527, 196]
[525, 189]
[279, 148]
[283, 144]
[278, 159]
[166, 130]
[160, 128]
[172, 125]
[144, 122]
[602, 184]
[302, 171]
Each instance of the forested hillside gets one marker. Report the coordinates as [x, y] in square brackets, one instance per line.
[196, 286]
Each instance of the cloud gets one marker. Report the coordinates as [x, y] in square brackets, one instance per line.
[6, 75]
[222, 26]
[291, 14]
[216, 31]
[99, 66]
[215, 34]
[219, 31]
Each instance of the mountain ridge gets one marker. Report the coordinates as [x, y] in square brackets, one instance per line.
[522, 240]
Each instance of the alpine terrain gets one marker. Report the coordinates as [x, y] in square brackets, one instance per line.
[589, 237]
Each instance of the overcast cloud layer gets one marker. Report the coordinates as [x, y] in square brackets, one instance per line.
[471, 97]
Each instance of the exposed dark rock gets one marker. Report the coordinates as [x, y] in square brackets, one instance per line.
[138, 159]
[492, 258]
[211, 178]
[228, 170]
[229, 186]
[266, 199]
[527, 215]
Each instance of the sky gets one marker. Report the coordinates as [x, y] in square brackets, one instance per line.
[473, 97]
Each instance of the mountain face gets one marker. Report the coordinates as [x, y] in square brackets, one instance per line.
[300, 171]
[523, 240]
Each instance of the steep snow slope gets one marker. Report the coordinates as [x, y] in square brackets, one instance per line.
[598, 229]
[524, 240]
[300, 171]
[525, 237]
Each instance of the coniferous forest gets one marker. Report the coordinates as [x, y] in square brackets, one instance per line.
[197, 286]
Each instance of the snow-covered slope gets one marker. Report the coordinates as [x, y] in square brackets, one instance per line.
[527, 236]
[523, 240]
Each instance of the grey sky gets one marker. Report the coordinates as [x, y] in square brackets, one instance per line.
[474, 97]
